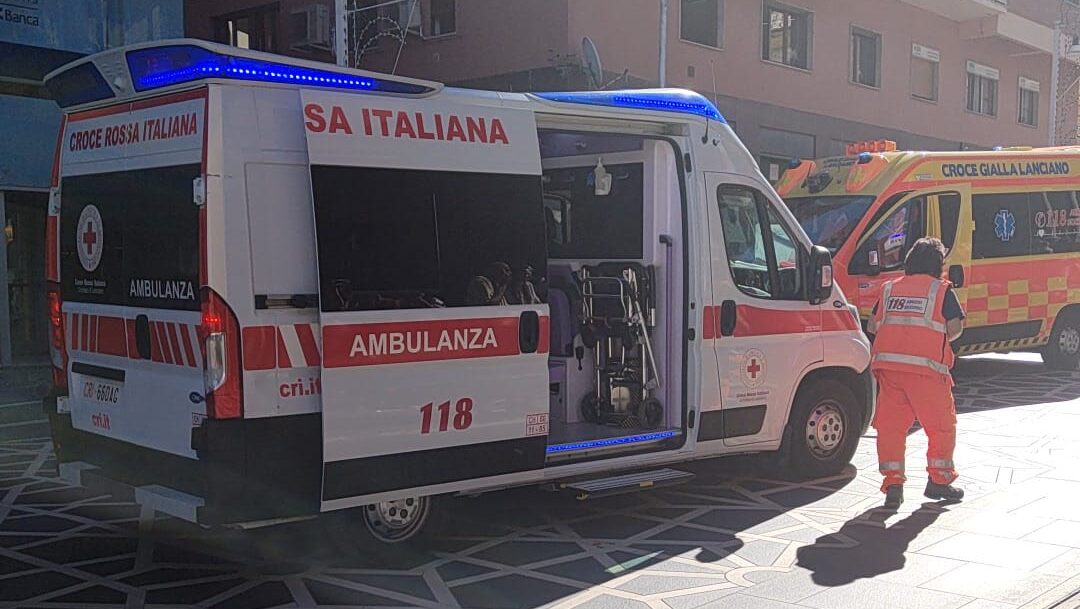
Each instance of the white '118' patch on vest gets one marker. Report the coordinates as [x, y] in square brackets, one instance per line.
[901, 304]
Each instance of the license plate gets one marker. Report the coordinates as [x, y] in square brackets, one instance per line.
[102, 392]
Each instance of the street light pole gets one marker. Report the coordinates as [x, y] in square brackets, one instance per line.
[663, 44]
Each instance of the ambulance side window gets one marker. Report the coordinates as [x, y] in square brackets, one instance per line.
[1055, 222]
[1003, 225]
[892, 239]
[949, 204]
[417, 239]
[764, 258]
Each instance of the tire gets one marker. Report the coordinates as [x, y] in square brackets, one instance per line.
[1063, 351]
[398, 522]
[825, 424]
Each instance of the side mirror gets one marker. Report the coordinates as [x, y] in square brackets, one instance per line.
[821, 274]
[956, 275]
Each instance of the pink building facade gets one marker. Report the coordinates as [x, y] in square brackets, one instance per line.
[796, 78]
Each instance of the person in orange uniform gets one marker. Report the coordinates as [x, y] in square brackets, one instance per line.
[914, 320]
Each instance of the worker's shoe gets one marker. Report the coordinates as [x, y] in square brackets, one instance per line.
[943, 492]
[894, 496]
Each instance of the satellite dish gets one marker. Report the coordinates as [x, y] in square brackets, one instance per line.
[591, 57]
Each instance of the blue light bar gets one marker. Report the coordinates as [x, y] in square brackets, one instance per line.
[648, 437]
[664, 100]
[154, 68]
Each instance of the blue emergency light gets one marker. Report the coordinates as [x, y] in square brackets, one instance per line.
[647, 437]
[157, 67]
[666, 100]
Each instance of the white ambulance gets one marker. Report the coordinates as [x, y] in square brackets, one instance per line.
[280, 288]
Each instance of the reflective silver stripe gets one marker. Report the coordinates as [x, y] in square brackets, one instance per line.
[886, 467]
[935, 287]
[940, 463]
[914, 321]
[911, 360]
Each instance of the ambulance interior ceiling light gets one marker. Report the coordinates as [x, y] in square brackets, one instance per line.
[158, 67]
[666, 100]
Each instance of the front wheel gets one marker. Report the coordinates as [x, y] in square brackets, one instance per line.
[1063, 351]
[397, 521]
[825, 426]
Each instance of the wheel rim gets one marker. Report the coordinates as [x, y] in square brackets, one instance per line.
[1069, 340]
[825, 429]
[397, 520]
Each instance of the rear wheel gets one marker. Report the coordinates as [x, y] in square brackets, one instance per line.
[825, 426]
[397, 521]
[1063, 351]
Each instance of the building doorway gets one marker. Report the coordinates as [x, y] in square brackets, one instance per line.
[24, 235]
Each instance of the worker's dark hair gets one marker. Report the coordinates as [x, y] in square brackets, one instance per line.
[926, 257]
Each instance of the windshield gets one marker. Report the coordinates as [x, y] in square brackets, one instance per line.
[828, 221]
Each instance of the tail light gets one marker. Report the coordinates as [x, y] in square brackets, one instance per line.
[57, 348]
[219, 338]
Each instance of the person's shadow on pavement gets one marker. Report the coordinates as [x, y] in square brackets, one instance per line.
[864, 547]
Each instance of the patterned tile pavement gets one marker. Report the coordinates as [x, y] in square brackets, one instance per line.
[735, 537]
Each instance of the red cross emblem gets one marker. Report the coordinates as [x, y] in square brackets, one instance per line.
[753, 368]
[89, 238]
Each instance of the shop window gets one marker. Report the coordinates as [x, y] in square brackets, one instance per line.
[702, 21]
[787, 35]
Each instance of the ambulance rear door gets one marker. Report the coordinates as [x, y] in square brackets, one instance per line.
[434, 375]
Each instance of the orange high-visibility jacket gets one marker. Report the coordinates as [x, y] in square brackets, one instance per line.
[911, 335]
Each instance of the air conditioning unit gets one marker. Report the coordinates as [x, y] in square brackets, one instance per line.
[311, 27]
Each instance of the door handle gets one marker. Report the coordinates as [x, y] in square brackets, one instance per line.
[142, 336]
[728, 317]
[529, 331]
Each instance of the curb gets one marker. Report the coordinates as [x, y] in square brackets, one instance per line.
[1065, 595]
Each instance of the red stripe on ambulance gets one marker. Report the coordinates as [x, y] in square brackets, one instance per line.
[287, 346]
[419, 341]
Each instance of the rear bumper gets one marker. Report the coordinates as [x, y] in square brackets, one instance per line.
[247, 469]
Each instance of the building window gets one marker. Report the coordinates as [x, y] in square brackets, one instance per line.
[702, 21]
[442, 17]
[255, 29]
[982, 89]
[924, 72]
[1029, 102]
[865, 57]
[787, 33]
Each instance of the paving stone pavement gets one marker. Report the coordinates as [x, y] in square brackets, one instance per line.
[733, 538]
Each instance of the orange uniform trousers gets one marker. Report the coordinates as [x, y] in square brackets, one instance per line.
[902, 398]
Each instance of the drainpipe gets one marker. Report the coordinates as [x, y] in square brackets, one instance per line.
[663, 44]
[1055, 76]
[341, 34]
